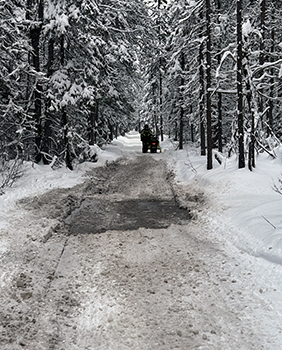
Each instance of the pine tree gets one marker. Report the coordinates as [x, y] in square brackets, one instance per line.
[16, 126]
[34, 15]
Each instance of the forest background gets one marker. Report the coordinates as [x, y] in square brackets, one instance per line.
[77, 73]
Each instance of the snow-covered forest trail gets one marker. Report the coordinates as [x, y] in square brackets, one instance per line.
[124, 268]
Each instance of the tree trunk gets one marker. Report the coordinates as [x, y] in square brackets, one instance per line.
[181, 121]
[251, 160]
[181, 128]
[272, 50]
[160, 74]
[64, 119]
[175, 131]
[192, 133]
[192, 126]
[35, 33]
[208, 86]
[96, 119]
[91, 125]
[201, 96]
[262, 30]
[111, 128]
[241, 162]
[219, 125]
[46, 144]
[219, 95]
[249, 98]
[116, 131]
[66, 139]
[161, 106]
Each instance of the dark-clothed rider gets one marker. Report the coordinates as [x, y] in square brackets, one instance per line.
[146, 135]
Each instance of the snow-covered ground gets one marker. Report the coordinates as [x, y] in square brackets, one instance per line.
[242, 210]
[245, 201]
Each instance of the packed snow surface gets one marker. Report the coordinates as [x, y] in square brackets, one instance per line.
[212, 283]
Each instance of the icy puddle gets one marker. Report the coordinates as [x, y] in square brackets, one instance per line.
[100, 216]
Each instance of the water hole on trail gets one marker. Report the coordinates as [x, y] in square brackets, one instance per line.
[100, 216]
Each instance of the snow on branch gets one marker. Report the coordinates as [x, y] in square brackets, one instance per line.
[223, 91]
[269, 65]
[223, 58]
[194, 7]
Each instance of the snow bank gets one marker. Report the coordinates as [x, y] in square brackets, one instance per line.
[39, 178]
[243, 205]
[130, 140]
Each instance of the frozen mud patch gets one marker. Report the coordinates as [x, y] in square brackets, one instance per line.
[128, 195]
[100, 216]
[122, 195]
[54, 204]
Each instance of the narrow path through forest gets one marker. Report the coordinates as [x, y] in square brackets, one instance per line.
[126, 269]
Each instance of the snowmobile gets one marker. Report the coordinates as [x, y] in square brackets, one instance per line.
[154, 144]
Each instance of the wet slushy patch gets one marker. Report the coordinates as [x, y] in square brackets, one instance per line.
[100, 216]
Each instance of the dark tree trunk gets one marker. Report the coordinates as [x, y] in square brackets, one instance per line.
[181, 121]
[192, 133]
[192, 127]
[176, 132]
[181, 128]
[160, 73]
[272, 50]
[219, 125]
[111, 131]
[116, 131]
[38, 118]
[219, 95]
[66, 139]
[208, 85]
[64, 119]
[241, 163]
[201, 97]
[96, 119]
[262, 30]
[251, 160]
[252, 123]
[91, 125]
[46, 144]
[161, 106]
[35, 33]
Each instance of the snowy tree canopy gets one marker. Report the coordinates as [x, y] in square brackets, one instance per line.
[90, 70]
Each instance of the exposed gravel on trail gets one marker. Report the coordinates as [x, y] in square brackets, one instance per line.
[112, 201]
[75, 281]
